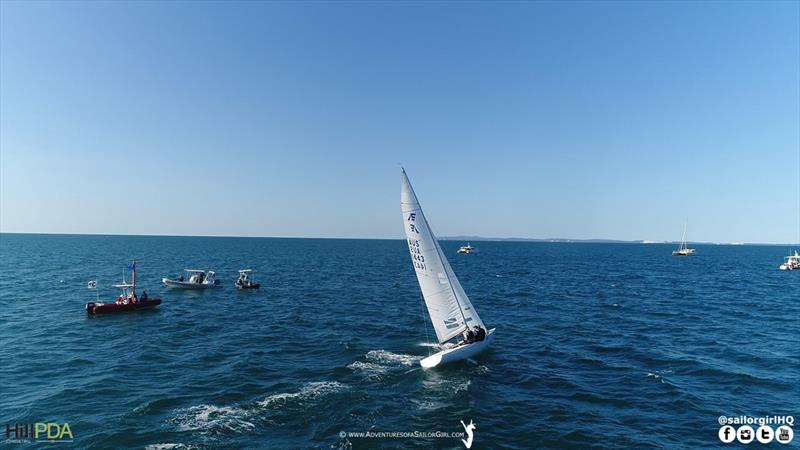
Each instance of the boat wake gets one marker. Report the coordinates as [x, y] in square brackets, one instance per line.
[440, 391]
[380, 362]
[309, 391]
[385, 357]
[211, 419]
[429, 344]
[168, 446]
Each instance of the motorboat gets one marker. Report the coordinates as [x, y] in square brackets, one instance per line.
[683, 249]
[194, 279]
[127, 300]
[792, 262]
[245, 282]
[466, 249]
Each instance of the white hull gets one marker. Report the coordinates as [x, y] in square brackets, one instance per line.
[458, 353]
[174, 284]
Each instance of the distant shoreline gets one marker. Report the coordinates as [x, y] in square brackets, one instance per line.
[443, 238]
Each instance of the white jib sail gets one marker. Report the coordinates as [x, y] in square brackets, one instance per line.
[448, 305]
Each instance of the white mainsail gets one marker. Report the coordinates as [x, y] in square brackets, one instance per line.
[448, 306]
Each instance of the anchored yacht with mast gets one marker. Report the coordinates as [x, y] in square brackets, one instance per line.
[683, 249]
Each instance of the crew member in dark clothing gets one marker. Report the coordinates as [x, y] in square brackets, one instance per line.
[144, 295]
[469, 336]
[480, 333]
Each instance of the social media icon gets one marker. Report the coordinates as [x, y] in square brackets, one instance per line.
[745, 434]
[764, 434]
[727, 434]
[784, 434]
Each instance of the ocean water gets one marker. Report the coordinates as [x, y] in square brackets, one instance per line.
[597, 345]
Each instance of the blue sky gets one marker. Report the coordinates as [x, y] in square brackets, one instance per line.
[576, 120]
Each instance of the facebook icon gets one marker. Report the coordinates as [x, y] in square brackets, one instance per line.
[727, 434]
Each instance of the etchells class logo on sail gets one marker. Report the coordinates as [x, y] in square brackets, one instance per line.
[452, 322]
[22, 433]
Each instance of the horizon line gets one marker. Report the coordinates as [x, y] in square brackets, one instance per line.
[442, 238]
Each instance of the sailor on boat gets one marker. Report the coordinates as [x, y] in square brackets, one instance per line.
[480, 333]
[469, 337]
[472, 335]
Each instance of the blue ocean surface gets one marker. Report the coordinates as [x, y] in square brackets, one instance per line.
[597, 345]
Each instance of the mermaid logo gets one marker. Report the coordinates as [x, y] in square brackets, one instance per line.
[469, 429]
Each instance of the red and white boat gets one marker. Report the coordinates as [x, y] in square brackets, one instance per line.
[127, 301]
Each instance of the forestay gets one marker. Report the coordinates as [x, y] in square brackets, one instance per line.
[448, 305]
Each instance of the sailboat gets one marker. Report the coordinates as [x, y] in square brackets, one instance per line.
[448, 306]
[683, 249]
[127, 301]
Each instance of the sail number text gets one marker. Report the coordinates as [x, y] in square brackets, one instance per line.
[416, 255]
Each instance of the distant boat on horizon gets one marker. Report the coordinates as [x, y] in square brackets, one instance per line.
[792, 262]
[449, 308]
[195, 279]
[683, 249]
[466, 249]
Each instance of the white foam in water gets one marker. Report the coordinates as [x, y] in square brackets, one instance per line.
[382, 356]
[167, 446]
[462, 387]
[307, 391]
[369, 367]
[658, 376]
[428, 344]
[210, 417]
[380, 362]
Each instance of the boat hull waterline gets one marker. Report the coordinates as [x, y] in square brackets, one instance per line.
[110, 308]
[175, 284]
[457, 353]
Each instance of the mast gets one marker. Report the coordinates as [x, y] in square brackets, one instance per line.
[134, 277]
[683, 239]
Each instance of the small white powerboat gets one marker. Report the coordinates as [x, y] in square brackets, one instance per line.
[792, 262]
[245, 282]
[195, 279]
[466, 249]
